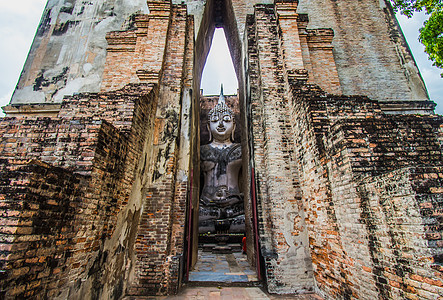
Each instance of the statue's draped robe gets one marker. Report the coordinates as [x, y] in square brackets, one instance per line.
[221, 202]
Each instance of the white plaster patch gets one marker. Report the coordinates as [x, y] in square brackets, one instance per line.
[195, 8]
[142, 5]
[104, 25]
[28, 95]
[87, 67]
[182, 176]
[90, 83]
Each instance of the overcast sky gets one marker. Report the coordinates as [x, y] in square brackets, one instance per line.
[19, 20]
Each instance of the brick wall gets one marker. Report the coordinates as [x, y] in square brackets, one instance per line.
[370, 187]
[349, 200]
[322, 59]
[60, 142]
[310, 123]
[62, 216]
[136, 55]
[308, 50]
[390, 200]
[283, 234]
[38, 212]
[371, 55]
[98, 165]
[129, 161]
[160, 237]
[402, 215]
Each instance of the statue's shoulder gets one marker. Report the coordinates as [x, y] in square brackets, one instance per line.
[205, 147]
[206, 152]
[234, 152]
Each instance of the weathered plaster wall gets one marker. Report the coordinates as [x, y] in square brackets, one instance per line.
[370, 52]
[69, 50]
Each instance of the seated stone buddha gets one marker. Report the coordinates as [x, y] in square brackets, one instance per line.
[221, 201]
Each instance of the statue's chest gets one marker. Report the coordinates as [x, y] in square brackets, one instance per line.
[220, 158]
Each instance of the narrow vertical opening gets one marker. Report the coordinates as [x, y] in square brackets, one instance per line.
[221, 222]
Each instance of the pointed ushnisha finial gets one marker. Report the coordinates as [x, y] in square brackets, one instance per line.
[221, 99]
[221, 107]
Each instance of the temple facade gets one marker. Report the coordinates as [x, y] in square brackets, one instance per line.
[340, 151]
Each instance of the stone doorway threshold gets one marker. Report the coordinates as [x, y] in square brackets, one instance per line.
[232, 293]
[222, 269]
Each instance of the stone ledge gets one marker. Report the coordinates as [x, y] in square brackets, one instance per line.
[408, 107]
[32, 110]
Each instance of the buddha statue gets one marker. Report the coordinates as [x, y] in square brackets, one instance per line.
[221, 201]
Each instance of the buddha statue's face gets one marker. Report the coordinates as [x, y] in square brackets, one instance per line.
[221, 126]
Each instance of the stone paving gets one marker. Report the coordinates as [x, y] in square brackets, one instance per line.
[223, 268]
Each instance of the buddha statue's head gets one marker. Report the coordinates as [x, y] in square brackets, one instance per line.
[221, 122]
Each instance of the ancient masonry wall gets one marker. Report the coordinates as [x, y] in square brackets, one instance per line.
[145, 182]
[38, 216]
[68, 180]
[71, 46]
[160, 237]
[328, 255]
[136, 55]
[371, 55]
[344, 150]
[370, 187]
[93, 201]
[68, 53]
[283, 233]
